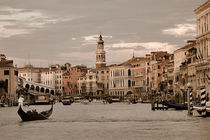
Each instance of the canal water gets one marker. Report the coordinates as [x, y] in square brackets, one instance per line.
[104, 122]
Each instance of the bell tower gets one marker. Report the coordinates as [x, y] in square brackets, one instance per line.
[100, 54]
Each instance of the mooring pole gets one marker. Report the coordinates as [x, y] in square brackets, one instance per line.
[203, 101]
[188, 101]
[191, 103]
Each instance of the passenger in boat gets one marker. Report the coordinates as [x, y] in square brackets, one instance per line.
[32, 112]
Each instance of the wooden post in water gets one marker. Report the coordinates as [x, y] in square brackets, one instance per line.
[191, 102]
[188, 99]
[153, 104]
[203, 101]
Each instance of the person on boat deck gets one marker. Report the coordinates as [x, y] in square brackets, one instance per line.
[33, 111]
[20, 100]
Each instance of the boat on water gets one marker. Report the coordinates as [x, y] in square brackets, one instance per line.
[32, 115]
[67, 101]
[175, 106]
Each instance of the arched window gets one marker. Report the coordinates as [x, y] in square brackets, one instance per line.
[27, 86]
[37, 88]
[52, 92]
[47, 90]
[42, 90]
[32, 87]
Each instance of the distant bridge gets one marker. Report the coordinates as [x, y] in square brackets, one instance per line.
[37, 87]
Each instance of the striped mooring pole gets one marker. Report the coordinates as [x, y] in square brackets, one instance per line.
[191, 103]
[203, 101]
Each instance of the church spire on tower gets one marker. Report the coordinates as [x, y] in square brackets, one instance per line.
[100, 53]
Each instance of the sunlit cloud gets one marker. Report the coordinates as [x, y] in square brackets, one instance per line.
[22, 21]
[181, 30]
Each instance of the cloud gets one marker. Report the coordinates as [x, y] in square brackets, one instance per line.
[21, 21]
[181, 30]
[92, 39]
[144, 46]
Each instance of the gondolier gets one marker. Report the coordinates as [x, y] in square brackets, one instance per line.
[20, 100]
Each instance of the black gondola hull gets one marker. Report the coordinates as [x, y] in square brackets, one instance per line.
[31, 116]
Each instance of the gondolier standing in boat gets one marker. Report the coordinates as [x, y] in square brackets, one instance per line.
[20, 100]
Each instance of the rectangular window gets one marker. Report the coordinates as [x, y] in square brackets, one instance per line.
[6, 72]
[6, 85]
[16, 73]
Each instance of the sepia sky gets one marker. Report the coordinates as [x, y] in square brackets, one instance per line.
[45, 32]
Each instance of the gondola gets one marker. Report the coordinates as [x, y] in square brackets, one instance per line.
[34, 115]
[67, 101]
[175, 106]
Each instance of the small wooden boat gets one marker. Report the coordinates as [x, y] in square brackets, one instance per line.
[133, 101]
[67, 101]
[34, 115]
[175, 106]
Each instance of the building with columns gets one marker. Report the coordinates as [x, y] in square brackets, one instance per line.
[203, 46]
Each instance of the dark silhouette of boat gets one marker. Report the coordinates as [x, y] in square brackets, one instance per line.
[67, 101]
[175, 106]
[34, 115]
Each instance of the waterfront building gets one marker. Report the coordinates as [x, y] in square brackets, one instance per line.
[138, 72]
[203, 46]
[187, 68]
[81, 84]
[127, 78]
[180, 56]
[8, 81]
[169, 75]
[91, 83]
[119, 80]
[70, 79]
[156, 69]
[53, 77]
[30, 73]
